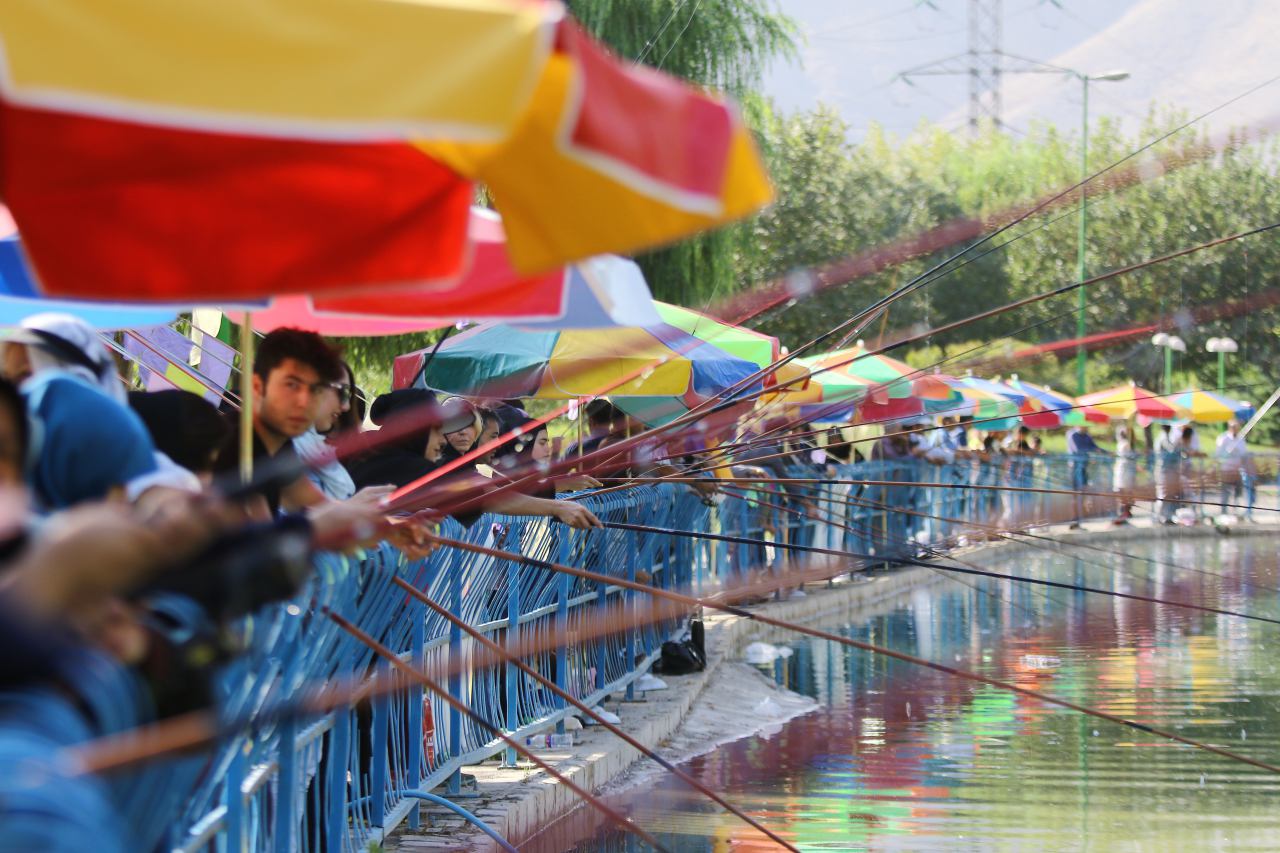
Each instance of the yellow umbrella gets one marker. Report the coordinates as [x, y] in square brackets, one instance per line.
[1206, 407]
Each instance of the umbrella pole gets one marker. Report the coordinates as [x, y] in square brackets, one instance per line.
[246, 397]
[580, 414]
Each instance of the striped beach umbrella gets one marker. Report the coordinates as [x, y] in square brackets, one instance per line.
[756, 347]
[1127, 401]
[1208, 407]
[1051, 408]
[991, 406]
[897, 379]
[499, 360]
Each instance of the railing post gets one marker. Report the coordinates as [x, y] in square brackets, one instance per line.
[602, 605]
[455, 676]
[414, 696]
[378, 751]
[286, 762]
[628, 597]
[562, 622]
[512, 674]
[339, 760]
[233, 799]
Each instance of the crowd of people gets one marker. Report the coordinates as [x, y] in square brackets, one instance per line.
[133, 534]
[1173, 456]
[115, 504]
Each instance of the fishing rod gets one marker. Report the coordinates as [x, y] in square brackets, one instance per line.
[582, 707]
[463, 708]
[1128, 177]
[964, 568]
[1064, 289]
[475, 453]
[851, 269]
[1006, 533]
[764, 619]
[1135, 495]
[836, 521]
[896, 542]
[203, 728]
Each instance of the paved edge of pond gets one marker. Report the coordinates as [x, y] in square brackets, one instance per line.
[517, 802]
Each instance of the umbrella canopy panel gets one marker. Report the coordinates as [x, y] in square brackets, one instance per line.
[1127, 401]
[497, 360]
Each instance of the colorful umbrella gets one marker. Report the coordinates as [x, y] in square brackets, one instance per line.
[498, 360]
[1126, 401]
[100, 316]
[756, 347]
[898, 379]
[1207, 407]
[595, 293]
[329, 145]
[1053, 407]
[991, 407]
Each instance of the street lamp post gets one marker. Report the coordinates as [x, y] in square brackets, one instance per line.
[1082, 296]
[1221, 346]
[1170, 343]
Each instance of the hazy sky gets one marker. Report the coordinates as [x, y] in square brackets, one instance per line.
[852, 49]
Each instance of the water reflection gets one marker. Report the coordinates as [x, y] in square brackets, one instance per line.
[901, 757]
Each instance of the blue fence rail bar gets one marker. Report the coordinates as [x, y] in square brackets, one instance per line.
[341, 780]
[336, 781]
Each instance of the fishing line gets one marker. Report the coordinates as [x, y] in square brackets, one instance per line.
[1006, 534]
[764, 619]
[464, 709]
[963, 568]
[1136, 496]
[493, 647]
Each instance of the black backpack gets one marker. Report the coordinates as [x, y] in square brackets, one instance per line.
[685, 655]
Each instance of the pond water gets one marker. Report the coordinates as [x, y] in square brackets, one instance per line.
[904, 758]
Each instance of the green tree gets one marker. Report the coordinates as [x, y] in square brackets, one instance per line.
[725, 44]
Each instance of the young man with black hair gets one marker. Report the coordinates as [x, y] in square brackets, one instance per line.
[291, 369]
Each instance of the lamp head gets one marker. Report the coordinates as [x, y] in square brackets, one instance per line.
[1221, 345]
[1111, 76]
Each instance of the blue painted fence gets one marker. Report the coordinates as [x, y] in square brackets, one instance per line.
[336, 781]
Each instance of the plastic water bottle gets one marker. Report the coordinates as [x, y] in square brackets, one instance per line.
[549, 741]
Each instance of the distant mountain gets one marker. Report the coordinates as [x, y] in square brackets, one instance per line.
[1188, 54]
[1192, 55]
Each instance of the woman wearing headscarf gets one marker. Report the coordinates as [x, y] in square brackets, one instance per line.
[85, 443]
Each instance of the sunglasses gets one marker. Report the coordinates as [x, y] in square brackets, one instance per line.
[343, 391]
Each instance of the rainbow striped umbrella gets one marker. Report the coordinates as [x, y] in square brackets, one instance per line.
[897, 379]
[991, 405]
[1127, 401]
[1207, 407]
[499, 360]
[756, 347]
[1053, 409]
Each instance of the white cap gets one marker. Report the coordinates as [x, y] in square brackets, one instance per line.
[70, 344]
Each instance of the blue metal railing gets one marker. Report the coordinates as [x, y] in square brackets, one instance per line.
[334, 782]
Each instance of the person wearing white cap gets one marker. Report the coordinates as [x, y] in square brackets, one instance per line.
[54, 341]
[85, 444]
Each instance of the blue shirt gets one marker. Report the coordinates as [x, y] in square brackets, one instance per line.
[83, 443]
[1080, 442]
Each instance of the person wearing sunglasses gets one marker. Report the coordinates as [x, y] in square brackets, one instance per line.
[333, 402]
